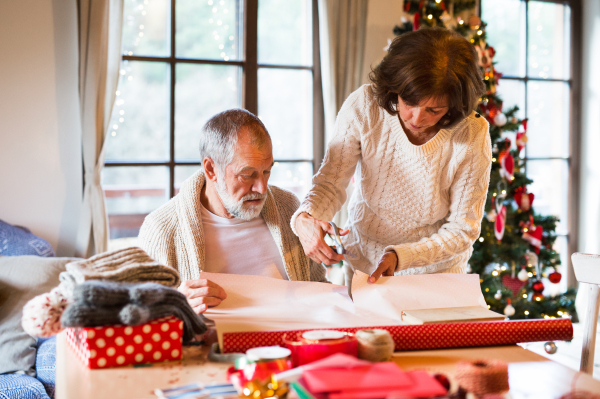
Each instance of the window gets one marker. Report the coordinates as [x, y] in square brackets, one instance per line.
[533, 40]
[186, 60]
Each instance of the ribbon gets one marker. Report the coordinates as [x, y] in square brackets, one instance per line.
[314, 345]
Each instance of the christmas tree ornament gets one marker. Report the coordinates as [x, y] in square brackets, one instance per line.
[513, 284]
[532, 259]
[500, 222]
[509, 310]
[500, 119]
[555, 277]
[507, 167]
[513, 119]
[498, 295]
[550, 347]
[521, 140]
[491, 216]
[533, 235]
[523, 198]
[537, 297]
[537, 286]
[523, 275]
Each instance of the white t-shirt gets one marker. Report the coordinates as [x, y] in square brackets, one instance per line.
[237, 246]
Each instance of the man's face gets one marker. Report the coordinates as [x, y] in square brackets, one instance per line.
[243, 190]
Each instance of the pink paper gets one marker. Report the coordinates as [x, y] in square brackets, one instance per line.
[425, 386]
[376, 376]
[337, 361]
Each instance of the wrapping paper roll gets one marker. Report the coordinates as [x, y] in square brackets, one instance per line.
[430, 336]
[306, 348]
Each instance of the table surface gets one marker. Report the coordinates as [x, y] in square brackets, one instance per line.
[530, 375]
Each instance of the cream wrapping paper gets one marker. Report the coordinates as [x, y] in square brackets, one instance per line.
[257, 303]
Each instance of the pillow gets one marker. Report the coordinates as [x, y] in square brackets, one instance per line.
[21, 279]
[15, 241]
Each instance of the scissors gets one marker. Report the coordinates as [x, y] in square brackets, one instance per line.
[339, 247]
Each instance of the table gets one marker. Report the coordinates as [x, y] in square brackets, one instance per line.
[530, 375]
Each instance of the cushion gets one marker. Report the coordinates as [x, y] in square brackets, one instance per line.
[16, 241]
[45, 364]
[21, 279]
[21, 386]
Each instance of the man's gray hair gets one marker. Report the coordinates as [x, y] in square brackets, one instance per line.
[219, 136]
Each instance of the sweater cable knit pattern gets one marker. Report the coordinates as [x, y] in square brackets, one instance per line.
[173, 234]
[423, 202]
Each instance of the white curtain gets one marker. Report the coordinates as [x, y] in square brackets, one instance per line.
[343, 27]
[100, 25]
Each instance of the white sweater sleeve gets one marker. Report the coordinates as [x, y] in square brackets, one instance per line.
[328, 192]
[468, 194]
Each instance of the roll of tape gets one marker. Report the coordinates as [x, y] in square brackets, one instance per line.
[375, 345]
[482, 377]
[318, 344]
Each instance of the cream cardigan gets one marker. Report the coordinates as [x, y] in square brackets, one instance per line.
[173, 233]
[424, 202]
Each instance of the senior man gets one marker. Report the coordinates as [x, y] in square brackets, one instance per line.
[225, 218]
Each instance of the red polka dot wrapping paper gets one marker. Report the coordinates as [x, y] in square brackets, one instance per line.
[430, 336]
[158, 340]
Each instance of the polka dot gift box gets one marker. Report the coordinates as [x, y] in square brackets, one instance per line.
[111, 346]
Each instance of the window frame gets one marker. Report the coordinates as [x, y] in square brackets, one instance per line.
[249, 65]
[574, 83]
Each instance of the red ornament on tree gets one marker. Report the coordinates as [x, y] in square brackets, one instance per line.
[507, 166]
[500, 223]
[555, 277]
[533, 234]
[523, 198]
[538, 286]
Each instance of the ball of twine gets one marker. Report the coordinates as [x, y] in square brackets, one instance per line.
[41, 315]
[482, 377]
[375, 345]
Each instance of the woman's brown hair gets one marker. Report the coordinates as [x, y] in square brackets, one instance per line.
[433, 62]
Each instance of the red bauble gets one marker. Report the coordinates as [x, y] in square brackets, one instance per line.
[537, 296]
[538, 286]
[555, 277]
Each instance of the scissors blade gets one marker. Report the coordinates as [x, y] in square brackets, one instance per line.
[350, 256]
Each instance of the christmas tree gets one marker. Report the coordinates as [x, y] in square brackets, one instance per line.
[513, 255]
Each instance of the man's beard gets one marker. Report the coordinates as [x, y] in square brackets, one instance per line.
[240, 209]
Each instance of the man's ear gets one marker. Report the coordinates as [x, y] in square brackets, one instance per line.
[210, 169]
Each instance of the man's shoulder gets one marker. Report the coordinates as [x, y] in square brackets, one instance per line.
[162, 220]
[284, 199]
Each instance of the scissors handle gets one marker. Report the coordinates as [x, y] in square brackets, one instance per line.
[337, 240]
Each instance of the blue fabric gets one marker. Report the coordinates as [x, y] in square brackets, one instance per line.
[16, 241]
[21, 386]
[45, 364]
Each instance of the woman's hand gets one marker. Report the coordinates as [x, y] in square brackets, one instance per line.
[386, 267]
[312, 232]
[202, 294]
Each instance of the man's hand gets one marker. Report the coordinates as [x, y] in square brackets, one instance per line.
[312, 232]
[202, 293]
[386, 267]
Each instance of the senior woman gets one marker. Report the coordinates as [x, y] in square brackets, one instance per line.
[421, 158]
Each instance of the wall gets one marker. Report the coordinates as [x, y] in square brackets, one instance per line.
[40, 145]
[382, 16]
[589, 199]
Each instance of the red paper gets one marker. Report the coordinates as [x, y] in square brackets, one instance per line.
[379, 375]
[431, 336]
[112, 346]
[424, 386]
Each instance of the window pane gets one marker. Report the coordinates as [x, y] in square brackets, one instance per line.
[512, 92]
[140, 117]
[292, 22]
[182, 173]
[293, 176]
[285, 107]
[548, 113]
[131, 193]
[146, 27]
[506, 34]
[549, 38]
[200, 92]
[550, 187]
[208, 29]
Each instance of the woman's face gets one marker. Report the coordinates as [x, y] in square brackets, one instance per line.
[422, 117]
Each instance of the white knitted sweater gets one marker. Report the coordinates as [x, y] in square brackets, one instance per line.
[173, 234]
[424, 202]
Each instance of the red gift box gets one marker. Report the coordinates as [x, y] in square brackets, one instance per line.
[430, 336]
[158, 340]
